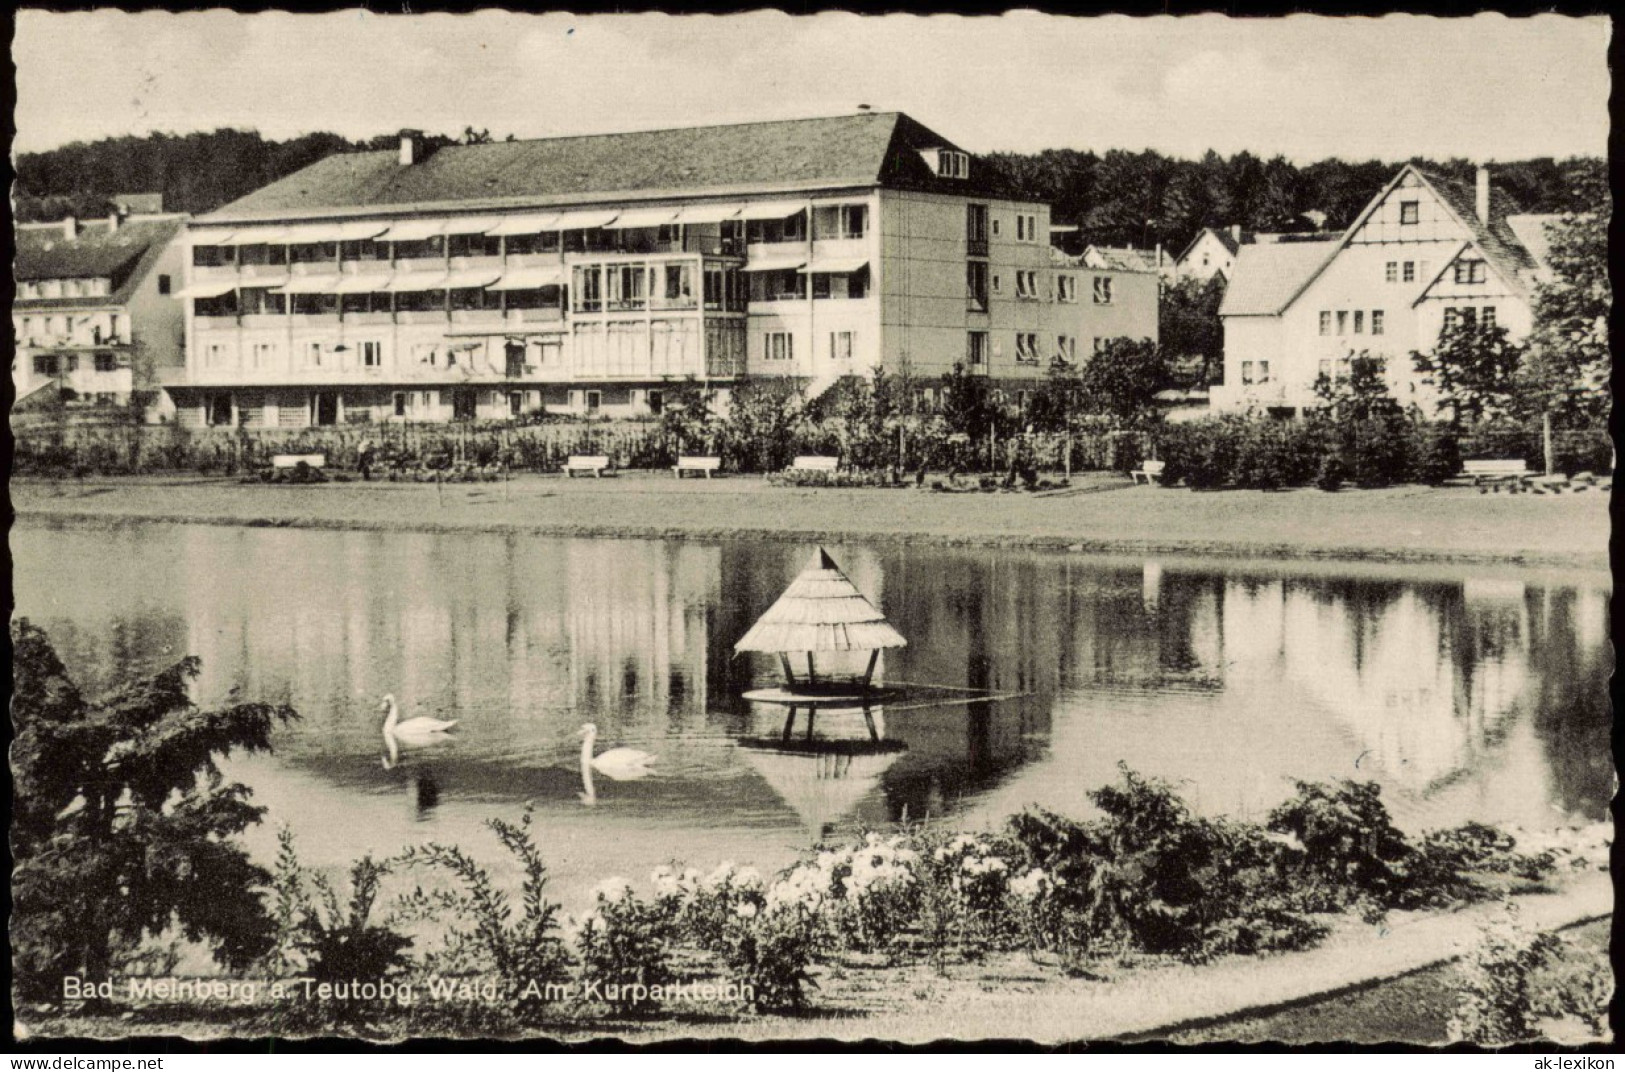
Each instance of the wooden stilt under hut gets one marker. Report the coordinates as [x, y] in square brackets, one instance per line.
[820, 613]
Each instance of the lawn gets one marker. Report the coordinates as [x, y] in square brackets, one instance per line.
[1099, 513]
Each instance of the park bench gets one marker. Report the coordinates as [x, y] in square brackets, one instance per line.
[586, 463]
[1149, 471]
[706, 464]
[815, 463]
[291, 461]
[1492, 474]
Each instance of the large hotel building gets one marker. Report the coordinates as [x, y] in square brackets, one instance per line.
[589, 274]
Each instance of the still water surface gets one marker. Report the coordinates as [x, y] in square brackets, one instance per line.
[1468, 696]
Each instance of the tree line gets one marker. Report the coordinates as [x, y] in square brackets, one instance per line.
[1115, 198]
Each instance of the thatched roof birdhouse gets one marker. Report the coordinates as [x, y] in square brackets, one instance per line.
[821, 611]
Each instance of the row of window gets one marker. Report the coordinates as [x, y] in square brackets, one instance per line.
[268, 355]
[1340, 322]
[829, 223]
[64, 288]
[95, 329]
[1467, 316]
[978, 348]
[57, 364]
[977, 286]
[781, 346]
[1255, 372]
[794, 286]
[980, 223]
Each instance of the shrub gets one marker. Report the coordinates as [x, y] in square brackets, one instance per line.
[964, 895]
[1440, 459]
[1507, 989]
[766, 937]
[624, 944]
[769, 950]
[1351, 848]
[1202, 453]
[1276, 454]
[869, 892]
[317, 937]
[1151, 877]
[526, 953]
[1332, 473]
[1382, 450]
[842, 478]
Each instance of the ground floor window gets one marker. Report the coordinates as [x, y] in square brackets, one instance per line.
[400, 403]
[217, 409]
[657, 402]
[976, 349]
[106, 363]
[595, 401]
[778, 346]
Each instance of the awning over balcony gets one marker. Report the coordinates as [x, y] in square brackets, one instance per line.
[363, 283]
[210, 238]
[585, 219]
[312, 233]
[472, 279]
[531, 278]
[838, 265]
[771, 210]
[211, 288]
[312, 284]
[413, 230]
[644, 217]
[476, 225]
[256, 236]
[404, 281]
[520, 225]
[710, 213]
[771, 259]
[262, 282]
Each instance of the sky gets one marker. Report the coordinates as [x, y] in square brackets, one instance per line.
[1485, 88]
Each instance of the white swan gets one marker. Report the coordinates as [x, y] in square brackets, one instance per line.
[621, 764]
[420, 730]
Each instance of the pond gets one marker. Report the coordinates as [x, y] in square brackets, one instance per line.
[1468, 693]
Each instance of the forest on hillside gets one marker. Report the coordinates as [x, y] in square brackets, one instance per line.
[1116, 197]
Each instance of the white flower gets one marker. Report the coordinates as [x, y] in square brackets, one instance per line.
[1029, 886]
[745, 910]
[748, 878]
[611, 889]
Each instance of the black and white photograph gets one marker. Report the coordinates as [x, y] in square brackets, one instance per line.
[780, 529]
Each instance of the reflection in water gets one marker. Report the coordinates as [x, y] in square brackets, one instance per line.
[1480, 699]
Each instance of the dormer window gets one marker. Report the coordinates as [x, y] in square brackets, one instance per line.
[948, 163]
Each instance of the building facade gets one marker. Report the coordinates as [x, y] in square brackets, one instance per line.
[95, 310]
[1212, 252]
[1426, 252]
[590, 275]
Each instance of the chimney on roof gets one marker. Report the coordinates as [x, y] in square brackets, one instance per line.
[411, 147]
[1235, 233]
[120, 210]
[70, 228]
[1481, 195]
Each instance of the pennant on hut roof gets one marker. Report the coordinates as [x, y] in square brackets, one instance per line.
[821, 611]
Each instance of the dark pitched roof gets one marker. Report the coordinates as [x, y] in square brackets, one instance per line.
[123, 256]
[1272, 288]
[1496, 238]
[866, 149]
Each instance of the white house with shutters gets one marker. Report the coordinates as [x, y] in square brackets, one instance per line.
[1425, 252]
